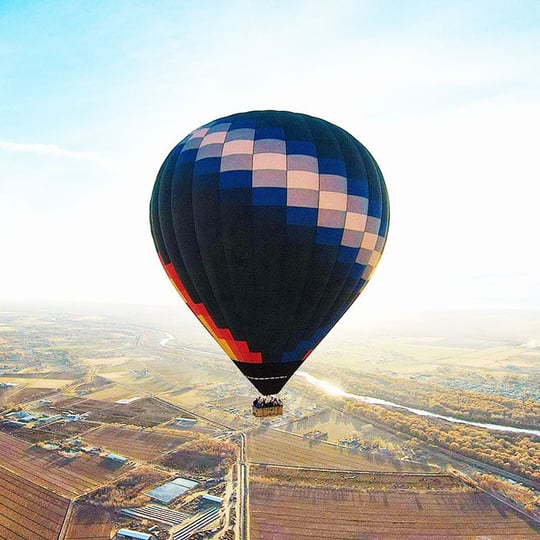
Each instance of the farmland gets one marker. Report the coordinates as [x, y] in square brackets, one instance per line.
[285, 509]
[277, 447]
[56, 431]
[66, 476]
[143, 445]
[112, 392]
[89, 523]
[29, 510]
[144, 412]
[359, 479]
[203, 456]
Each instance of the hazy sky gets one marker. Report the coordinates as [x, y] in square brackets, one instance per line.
[446, 95]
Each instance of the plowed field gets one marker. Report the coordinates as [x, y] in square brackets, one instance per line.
[28, 511]
[89, 523]
[292, 512]
[67, 477]
[145, 445]
[52, 432]
[280, 448]
[143, 412]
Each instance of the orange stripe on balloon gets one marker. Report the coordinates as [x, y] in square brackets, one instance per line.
[236, 350]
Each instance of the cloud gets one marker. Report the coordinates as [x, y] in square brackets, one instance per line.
[53, 151]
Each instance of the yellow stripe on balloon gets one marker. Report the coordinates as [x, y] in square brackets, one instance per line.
[221, 342]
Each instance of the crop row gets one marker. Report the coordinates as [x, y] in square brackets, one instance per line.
[68, 477]
[146, 445]
[27, 510]
[295, 513]
[286, 449]
[89, 523]
[144, 412]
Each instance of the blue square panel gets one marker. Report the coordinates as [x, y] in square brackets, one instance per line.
[302, 216]
[332, 166]
[269, 197]
[206, 166]
[358, 187]
[328, 236]
[347, 254]
[303, 148]
[235, 179]
[269, 133]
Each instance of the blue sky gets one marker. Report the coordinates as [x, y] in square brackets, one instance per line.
[445, 95]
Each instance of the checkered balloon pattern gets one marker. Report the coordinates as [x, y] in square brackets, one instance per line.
[269, 224]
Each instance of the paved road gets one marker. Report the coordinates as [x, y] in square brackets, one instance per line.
[243, 491]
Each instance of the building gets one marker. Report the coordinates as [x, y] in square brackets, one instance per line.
[212, 499]
[117, 458]
[166, 493]
[185, 422]
[127, 534]
[23, 416]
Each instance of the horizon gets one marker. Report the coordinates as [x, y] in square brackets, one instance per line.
[94, 100]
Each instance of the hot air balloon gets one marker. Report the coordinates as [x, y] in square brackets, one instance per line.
[269, 225]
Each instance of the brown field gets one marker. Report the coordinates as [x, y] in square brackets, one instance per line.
[360, 480]
[29, 511]
[143, 412]
[112, 393]
[25, 375]
[89, 523]
[187, 397]
[189, 369]
[69, 428]
[53, 432]
[279, 448]
[150, 384]
[30, 394]
[202, 456]
[32, 382]
[96, 383]
[107, 360]
[285, 510]
[337, 425]
[6, 395]
[145, 445]
[48, 469]
[31, 435]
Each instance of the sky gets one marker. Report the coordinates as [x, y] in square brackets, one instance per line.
[445, 95]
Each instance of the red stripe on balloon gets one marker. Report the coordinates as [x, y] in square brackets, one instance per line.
[239, 348]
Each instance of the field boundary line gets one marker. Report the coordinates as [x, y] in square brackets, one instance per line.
[353, 471]
[67, 519]
[498, 497]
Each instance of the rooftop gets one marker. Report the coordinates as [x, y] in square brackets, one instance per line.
[116, 457]
[167, 492]
[212, 498]
[128, 533]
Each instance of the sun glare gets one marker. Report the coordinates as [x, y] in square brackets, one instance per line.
[329, 388]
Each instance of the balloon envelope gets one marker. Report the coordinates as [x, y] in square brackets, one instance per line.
[269, 224]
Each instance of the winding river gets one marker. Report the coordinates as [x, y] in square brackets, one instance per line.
[335, 391]
[168, 337]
